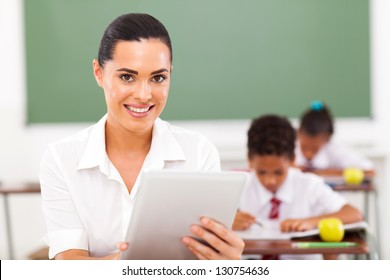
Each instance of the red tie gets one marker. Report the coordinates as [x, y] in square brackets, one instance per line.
[274, 213]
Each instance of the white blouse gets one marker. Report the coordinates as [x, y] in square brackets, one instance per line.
[85, 201]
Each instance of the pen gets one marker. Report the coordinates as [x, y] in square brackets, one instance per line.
[260, 224]
[323, 244]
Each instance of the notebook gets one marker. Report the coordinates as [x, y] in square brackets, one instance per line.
[272, 232]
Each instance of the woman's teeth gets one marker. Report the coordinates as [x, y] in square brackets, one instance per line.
[138, 110]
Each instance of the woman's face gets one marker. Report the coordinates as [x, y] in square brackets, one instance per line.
[135, 83]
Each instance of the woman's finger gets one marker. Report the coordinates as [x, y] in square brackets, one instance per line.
[201, 251]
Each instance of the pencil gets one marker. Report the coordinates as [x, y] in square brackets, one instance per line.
[323, 244]
[260, 224]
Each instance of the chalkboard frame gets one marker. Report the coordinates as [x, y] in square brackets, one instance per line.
[232, 59]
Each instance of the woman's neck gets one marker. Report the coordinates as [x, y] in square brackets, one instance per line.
[123, 141]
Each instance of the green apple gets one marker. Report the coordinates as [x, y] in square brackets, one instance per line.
[353, 176]
[331, 229]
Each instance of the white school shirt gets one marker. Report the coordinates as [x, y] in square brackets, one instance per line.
[333, 155]
[85, 201]
[303, 195]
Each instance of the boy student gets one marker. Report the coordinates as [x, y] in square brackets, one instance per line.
[277, 192]
[315, 149]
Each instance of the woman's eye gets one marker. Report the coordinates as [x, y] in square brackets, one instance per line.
[127, 78]
[159, 78]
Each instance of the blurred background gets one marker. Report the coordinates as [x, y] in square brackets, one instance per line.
[274, 57]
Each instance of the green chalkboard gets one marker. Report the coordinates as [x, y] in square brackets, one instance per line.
[232, 59]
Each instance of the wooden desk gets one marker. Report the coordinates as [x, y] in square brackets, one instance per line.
[14, 188]
[280, 247]
[367, 188]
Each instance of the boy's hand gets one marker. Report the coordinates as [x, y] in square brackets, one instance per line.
[243, 220]
[298, 225]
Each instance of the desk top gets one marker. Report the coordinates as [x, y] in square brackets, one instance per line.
[368, 187]
[20, 188]
[338, 184]
[279, 247]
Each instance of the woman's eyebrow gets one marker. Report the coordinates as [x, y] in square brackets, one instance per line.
[159, 71]
[136, 72]
[128, 71]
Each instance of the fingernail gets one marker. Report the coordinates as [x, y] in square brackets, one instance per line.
[194, 228]
[205, 221]
[186, 240]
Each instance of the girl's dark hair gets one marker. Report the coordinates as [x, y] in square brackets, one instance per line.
[271, 135]
[317, 120]
[131, 27]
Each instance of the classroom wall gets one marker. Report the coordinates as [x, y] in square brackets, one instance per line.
[21, 146]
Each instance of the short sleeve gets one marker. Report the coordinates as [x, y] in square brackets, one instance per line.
[325, 200]
[65, 229]
[209, 156]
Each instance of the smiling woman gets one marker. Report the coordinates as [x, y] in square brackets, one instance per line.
[89, 180]
[136, 82]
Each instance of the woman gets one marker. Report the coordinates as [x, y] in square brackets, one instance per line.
[89, 181]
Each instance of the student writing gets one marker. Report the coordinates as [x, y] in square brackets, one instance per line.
[279, 193]
[317, 152]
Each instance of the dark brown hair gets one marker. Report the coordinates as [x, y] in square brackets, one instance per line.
[271, 135]
[317, 120]
[131, 27]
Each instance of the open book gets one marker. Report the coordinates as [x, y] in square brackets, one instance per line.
[272, 232]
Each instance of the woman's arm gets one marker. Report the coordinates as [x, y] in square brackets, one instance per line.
[75, 254]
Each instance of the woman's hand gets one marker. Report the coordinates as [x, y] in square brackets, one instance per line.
[121, 246]
[223, 243]
[243, 220]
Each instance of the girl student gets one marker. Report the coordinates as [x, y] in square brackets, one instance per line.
[316, 151]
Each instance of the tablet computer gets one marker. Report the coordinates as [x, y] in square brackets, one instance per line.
[169, 202]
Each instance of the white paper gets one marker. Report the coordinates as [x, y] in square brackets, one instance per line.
[272, 232]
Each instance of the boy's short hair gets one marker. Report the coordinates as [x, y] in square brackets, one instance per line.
[271, 135]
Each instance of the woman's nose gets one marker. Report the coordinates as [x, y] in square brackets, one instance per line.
[143, 92]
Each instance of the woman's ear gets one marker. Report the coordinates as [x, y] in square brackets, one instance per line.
[97, 72]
